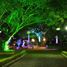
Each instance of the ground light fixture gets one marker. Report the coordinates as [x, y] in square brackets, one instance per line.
[33, 40]
[58, 28]
[66, 28]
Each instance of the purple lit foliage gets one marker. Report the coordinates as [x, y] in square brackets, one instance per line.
[19, 41]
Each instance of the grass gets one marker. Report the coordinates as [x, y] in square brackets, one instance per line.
[45, 54]
[64, 53]
[6, 54]
[6, 57]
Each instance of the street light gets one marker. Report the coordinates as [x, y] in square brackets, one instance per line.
[58, 29]
[44, 39]
[65, 27]
[33, 40]
[0, 31]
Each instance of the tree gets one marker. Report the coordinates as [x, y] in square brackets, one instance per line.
[20, 13]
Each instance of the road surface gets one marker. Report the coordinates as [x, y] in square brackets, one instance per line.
[41, 59]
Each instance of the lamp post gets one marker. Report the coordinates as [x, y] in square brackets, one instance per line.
[56, 39]
[28, 32]
[58, 29]
[44, 41]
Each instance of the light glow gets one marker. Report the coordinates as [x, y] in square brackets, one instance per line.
[58, 28]
[65, 27]
[0, 31]
[33, 40]
[44, 39]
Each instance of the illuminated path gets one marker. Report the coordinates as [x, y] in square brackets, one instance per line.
[41, 59]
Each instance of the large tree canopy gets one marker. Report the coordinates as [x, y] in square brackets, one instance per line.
[47, 10]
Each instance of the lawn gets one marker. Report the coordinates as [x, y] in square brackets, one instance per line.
[6, 57]
[64, 53]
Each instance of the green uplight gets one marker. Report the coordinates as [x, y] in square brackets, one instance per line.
[6, 47]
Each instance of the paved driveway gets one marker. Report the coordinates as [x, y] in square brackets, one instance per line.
[35, 59]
